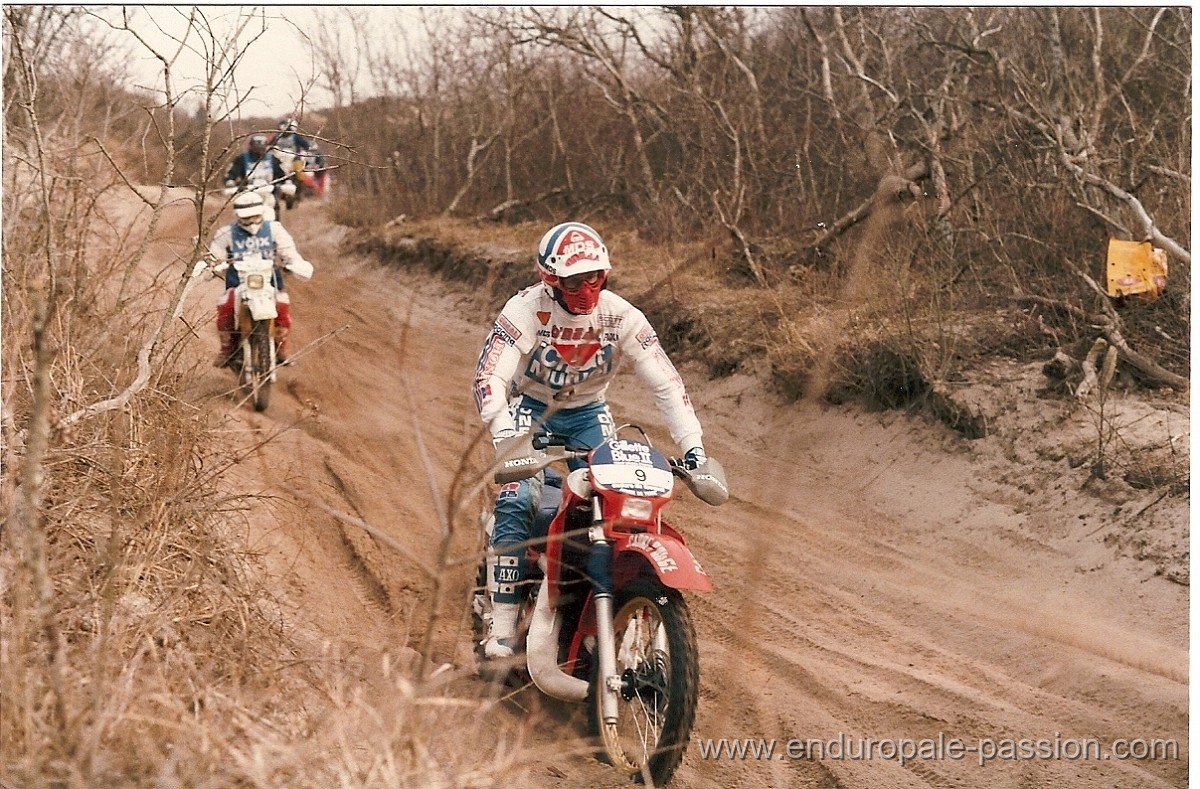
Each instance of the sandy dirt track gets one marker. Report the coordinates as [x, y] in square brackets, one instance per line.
[872, 579]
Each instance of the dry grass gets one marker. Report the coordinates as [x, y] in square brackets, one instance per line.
[139, 645]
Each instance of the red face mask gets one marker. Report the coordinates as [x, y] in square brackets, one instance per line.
[583, 299]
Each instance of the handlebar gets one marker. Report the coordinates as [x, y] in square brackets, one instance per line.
[523, 456]
[544, 441]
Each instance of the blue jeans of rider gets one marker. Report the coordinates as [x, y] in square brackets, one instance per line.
[517, 502]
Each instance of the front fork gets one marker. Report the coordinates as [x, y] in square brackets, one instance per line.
[599, 564]
[246, 328]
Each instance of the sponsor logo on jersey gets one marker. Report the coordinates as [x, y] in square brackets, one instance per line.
[549, 367]
[242, 244]
[543, 317]
[575, 344]
[512, 331]
[646, 337]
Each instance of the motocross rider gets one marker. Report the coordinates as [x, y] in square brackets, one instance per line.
[254, 166]
[251, 235]
[557, 345]
[289, 139]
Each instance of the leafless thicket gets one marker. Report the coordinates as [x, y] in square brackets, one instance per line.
[1010, 142]
[138, 645]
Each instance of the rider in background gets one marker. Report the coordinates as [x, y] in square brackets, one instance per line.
[254, 166]
[559, 343]
[288, 139]
[322, 175]
[251, 235]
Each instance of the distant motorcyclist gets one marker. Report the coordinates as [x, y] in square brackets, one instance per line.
[251, 235]
[322, 175]
[256, 166]
[289, 139]
[559, 343]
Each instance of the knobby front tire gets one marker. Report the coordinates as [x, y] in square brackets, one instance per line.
[660, 672]
[261, 364]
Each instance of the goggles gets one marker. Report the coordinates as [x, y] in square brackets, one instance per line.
[577, 281]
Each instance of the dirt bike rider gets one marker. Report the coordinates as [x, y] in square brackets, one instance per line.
[251, 235]
[255, 166]
[289, 139]
[558, 343]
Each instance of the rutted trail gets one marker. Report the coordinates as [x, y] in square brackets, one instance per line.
[866, 584]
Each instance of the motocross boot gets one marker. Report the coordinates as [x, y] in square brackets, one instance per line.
[281, 338]
[283, 326]
[502, 631]
[226, 330]
[229, 349]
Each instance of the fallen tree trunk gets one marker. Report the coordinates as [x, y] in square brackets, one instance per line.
[1109, 325]
[497, 214]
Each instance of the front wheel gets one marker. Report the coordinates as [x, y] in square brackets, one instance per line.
[660, 682]
[261, 365]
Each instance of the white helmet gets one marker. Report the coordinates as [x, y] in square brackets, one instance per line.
[248, 207]
[566, 251]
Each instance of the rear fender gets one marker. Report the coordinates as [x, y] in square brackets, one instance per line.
[667, 558]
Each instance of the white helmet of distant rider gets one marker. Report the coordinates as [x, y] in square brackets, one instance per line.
[573, 262]
[258, 144]
[249, 209]
[287, 125]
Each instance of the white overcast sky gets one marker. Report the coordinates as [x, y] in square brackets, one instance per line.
[276, 68]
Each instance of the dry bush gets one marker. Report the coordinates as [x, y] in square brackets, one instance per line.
[139, 645]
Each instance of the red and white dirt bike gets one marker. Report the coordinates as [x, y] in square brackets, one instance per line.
[255, 305]
[603, 619]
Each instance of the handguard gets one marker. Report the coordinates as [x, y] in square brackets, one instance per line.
[518, 459]
[707, 482]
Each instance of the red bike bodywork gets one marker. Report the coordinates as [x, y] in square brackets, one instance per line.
[641, 546]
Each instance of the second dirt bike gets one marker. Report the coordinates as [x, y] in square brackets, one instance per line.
[255, 303]
[256, 308]
[603, 619]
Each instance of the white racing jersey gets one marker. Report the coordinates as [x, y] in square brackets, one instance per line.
[232, 242]
[539, 349]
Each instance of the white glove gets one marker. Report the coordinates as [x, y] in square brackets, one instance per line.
[199, 268]
[301, 268]
[500, 435]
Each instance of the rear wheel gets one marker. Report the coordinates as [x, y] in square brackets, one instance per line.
[660, 681]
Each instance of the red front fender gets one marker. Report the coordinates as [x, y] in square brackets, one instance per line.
[671, 561]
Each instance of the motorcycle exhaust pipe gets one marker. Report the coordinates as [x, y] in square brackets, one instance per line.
[541, 652]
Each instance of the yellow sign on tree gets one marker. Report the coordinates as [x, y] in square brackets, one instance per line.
[1135, 268]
